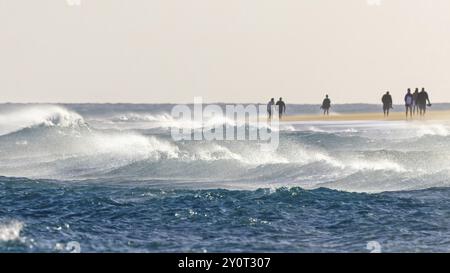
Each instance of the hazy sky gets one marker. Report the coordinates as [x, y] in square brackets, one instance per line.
[146, 51]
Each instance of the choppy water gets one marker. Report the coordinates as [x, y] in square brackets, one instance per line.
[110, 178]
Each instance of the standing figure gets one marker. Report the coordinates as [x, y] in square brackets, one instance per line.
[387, 103]
[270, 107]
[422, 100]
[409, 101]
[281, 107]
[416, 107]
[326, 104]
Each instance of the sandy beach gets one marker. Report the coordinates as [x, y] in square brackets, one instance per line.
[396, 116]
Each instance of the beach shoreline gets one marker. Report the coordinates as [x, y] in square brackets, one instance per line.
[372, 116]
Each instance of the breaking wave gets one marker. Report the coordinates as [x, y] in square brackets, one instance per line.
[53, 142]
[48, 116]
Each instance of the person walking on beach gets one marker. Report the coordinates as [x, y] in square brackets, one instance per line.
[326, 104]
[422, 100]
[270, 106]
[281, 107]
[387, 103]
[409, 101]
[416, 107]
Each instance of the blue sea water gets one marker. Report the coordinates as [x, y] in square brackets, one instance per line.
[109, 178]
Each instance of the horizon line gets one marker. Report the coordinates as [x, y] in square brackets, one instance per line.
[173, 103]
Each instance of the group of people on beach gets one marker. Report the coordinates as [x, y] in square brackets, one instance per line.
[415, 103]
[280, 105]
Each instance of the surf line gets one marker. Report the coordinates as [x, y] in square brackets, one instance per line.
[211, 123]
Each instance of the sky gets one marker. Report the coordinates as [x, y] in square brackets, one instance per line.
[169, 51]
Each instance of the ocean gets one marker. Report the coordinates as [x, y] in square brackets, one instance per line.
[110, 178]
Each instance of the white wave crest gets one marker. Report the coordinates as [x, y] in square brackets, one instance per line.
[432, 130]
[165, 120]
[39, 115]
[10, 231]
[130, 145]
[253, 157]
[164, 117]
[377, 165]
[311, 156]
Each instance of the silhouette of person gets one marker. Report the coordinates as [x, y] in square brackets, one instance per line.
[409, 101]
[270, 105]
[281, 107]
[416, 107]
[422, 100]
[326, 104]
[387, 103]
